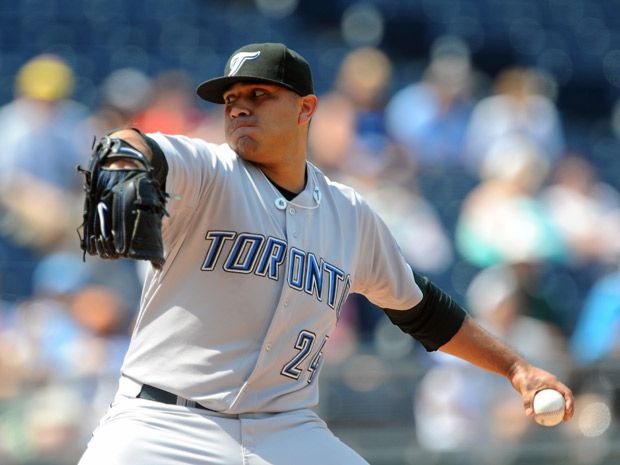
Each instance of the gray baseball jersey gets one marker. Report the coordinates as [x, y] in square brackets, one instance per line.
[253, 284]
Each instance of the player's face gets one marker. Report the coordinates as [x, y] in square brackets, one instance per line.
[262, 121]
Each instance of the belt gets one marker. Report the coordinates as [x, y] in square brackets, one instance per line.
[159, 395]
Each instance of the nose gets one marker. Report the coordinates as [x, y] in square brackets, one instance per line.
[238, 108]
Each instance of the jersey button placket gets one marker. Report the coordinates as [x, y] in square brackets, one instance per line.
[293, 219]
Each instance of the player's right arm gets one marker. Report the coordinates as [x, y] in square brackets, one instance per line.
[478, 347]
[439, 323]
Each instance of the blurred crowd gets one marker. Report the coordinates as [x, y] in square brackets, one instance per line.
[474, 174]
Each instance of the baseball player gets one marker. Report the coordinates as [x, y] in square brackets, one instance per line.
[253, 253]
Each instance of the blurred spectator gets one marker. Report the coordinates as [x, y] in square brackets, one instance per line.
[68, 326]
[429, 118]
[348, 135]
[501, 220]
[416, 226]
[596, 333]
[124, 93]
[42, 129]
[498, 298]
[585, 211]
[173, 109]
[520, 107]
[66, 345]
[44, 138]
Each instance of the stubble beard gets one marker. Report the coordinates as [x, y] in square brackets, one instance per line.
[247, 149]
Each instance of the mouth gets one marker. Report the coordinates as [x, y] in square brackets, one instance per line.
[240, 132]
[240, 124]
[242, 127]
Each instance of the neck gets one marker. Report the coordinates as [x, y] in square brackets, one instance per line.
[291, 177]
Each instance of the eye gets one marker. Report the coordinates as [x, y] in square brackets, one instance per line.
[258, 92]
[229, 98]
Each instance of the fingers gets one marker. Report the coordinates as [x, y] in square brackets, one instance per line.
[570, 404]
[569, 400]
[529, 409]
[529, 380]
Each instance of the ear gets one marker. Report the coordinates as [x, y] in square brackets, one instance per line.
[308, 107]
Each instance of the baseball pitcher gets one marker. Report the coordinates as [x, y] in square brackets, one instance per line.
[253, 251]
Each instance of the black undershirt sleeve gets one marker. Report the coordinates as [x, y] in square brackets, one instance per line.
[434, 320]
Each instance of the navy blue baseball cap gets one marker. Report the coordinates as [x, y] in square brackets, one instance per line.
[270, 62]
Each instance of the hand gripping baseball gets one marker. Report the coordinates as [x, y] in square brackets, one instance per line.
[529, 380]
[123, 209]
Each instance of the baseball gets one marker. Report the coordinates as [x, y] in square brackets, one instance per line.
[548, 407]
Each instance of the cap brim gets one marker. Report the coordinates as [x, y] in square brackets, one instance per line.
[213, 89]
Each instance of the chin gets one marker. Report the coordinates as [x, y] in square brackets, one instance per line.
[246, 149]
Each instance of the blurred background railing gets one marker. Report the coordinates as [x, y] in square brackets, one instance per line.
[485, 132]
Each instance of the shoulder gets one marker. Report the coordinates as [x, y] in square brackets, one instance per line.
[342, 194]
[193, 148]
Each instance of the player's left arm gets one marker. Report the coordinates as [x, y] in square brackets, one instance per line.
[124, 199]
[475, 345]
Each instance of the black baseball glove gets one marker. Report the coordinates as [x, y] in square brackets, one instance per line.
[123, 209]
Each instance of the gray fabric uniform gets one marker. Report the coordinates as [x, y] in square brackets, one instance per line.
[252, 287]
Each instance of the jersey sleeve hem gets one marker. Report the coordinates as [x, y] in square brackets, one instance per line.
[434, 320]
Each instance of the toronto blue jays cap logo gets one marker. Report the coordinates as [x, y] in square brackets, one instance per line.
[236, 62]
